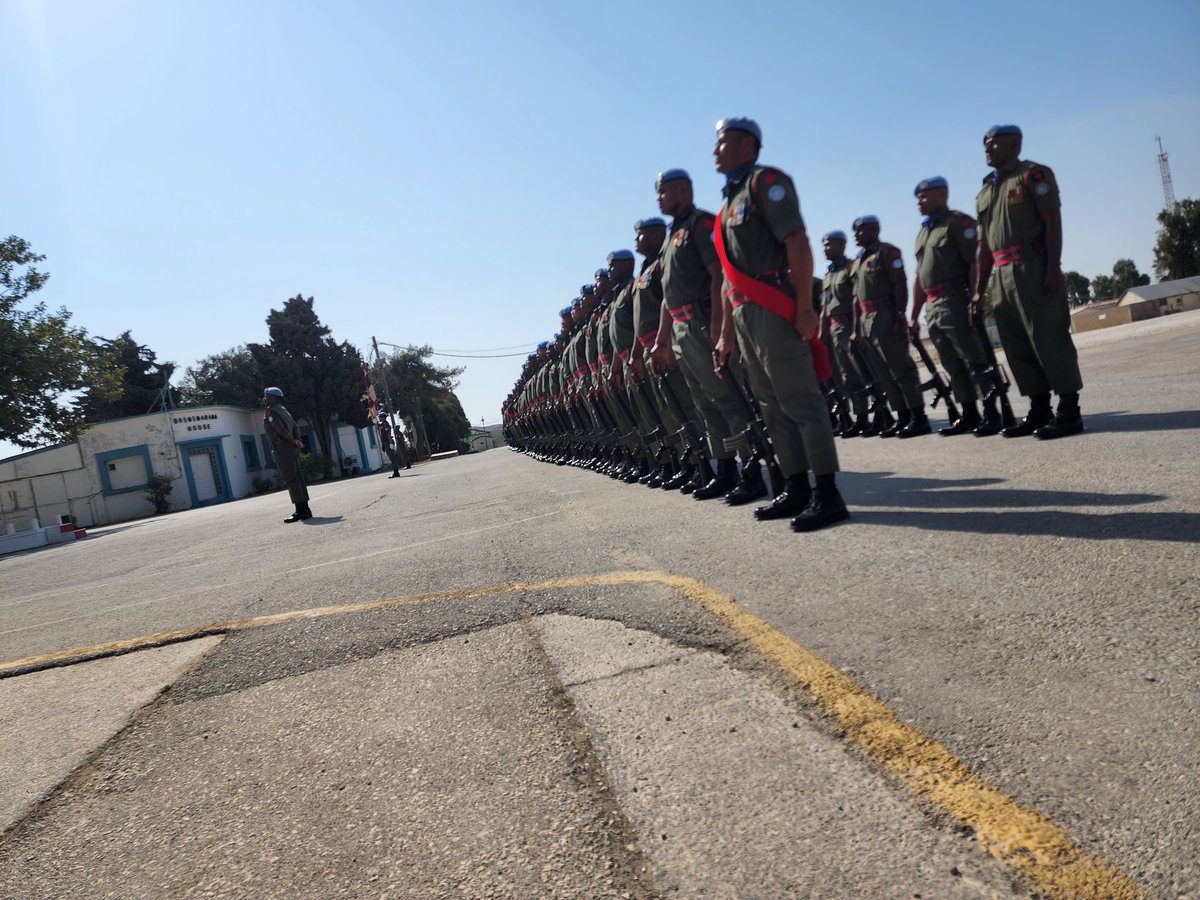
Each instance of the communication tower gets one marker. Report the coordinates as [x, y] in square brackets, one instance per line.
[1164, 169]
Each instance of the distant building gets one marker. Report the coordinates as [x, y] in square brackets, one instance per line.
[212, 454]
[485, 438]
[1166, 297]
[1138, 303]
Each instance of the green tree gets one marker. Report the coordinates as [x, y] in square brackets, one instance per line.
[1125, 275]
[230, 378]
[142, 377]
[1079, 289]
[412, 380]
[42, 357]
[1177, 251]
[446, 424]
[1102, 287]
[321, 378]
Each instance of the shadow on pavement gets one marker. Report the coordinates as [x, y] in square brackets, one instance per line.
[322, 520]
[1125, 421]
[888, 489]
[1006, 511]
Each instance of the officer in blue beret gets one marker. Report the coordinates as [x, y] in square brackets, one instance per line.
[286, 447]
[1020, 255]
[768, 314]
[691, 320]
[945, 249]
[837, 324]
[881, 303]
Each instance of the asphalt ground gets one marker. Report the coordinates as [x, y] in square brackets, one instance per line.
[983, 684]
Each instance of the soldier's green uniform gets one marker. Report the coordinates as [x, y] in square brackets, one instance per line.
[278, 422]
[837, 292]
[686, 285]
[624, 340]
[945, 251]
[761, 209]
[1035, 328]
[647, 312]
[876, 272]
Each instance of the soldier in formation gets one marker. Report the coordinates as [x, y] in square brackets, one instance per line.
[706, 363]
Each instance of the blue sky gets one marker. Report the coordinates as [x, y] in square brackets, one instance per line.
[449, 174]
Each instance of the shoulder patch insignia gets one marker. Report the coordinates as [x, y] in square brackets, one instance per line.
[1042, 188]
[969, 232]
[769, 177]
[776, 192]
[897, 263]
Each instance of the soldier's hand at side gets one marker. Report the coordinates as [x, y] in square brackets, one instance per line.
[806, 322]
[721, 354]
[975, 309]
[1054, 281]
[915, 327]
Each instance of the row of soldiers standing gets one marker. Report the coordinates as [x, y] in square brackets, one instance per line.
[708, 354]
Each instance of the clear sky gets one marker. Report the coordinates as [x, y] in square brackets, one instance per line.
[451, 173]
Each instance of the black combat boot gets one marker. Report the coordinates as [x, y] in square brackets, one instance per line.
[700, 477]
[1068, 420]
[666, 471]
[918, 424]
[903, 418]
[825, 508]
[722, 483]
[750, 485]
[794, 498]
[966, 423]
[294, 517]
[685, 474]
[992, 423]
[1039, 415]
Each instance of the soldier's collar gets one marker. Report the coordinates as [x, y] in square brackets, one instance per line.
[734, 179]
[839, 263]
[681, 218]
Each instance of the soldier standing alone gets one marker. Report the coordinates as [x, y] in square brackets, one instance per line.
[286, 447]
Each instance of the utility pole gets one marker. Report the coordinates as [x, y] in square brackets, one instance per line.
[1164, 169]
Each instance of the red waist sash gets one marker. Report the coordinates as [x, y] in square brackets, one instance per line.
[767, 297]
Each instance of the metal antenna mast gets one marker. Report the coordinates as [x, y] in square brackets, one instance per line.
[1164, 169]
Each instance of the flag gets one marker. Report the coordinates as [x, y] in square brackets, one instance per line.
[372, 403]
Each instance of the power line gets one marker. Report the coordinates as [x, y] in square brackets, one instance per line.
[478, 354]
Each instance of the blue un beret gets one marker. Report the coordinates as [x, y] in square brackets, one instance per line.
[929, 184]
[543, 345]
[741, 124]
[671, 175]
[565, 311]
[619, 255]
[652, 222]
[588, 289]
[834, 236]
[866, 220]
[997, 130]
[602, 273]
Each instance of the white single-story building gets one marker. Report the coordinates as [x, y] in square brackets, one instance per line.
[211, 453]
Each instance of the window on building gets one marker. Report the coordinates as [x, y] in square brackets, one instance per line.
[250, 451]
[124, 470]
[268, 461]
[371, 436]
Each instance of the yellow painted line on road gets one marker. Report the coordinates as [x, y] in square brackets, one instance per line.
[1022, 837]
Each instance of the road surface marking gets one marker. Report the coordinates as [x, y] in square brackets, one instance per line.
[1020, 836]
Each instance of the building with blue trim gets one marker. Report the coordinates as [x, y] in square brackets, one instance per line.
[212, 454]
